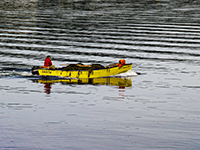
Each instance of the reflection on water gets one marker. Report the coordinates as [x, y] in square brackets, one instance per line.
[47, 88]
[111, 81]
[121, 92]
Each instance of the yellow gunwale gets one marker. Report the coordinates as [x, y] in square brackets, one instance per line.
[97, 73]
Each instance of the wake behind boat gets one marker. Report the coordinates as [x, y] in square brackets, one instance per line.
[84, 71]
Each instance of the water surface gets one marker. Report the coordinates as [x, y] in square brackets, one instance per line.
[158, 110]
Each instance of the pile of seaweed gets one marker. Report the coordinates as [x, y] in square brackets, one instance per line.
[81, 67]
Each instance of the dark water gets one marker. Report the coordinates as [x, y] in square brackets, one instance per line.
[158, 109]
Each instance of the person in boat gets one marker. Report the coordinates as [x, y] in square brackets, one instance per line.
[48, 64]
[47, 61]
[121, 63]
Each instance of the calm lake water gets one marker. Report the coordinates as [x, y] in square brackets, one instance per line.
[158, 109]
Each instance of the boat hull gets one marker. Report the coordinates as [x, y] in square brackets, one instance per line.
[97, 73]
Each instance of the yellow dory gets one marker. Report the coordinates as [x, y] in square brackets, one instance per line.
[95, 73]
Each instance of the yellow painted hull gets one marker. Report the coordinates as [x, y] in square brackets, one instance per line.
[96, 81]
[85, 73]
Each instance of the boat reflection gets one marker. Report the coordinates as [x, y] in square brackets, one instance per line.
[47, 88]
[112, 81]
